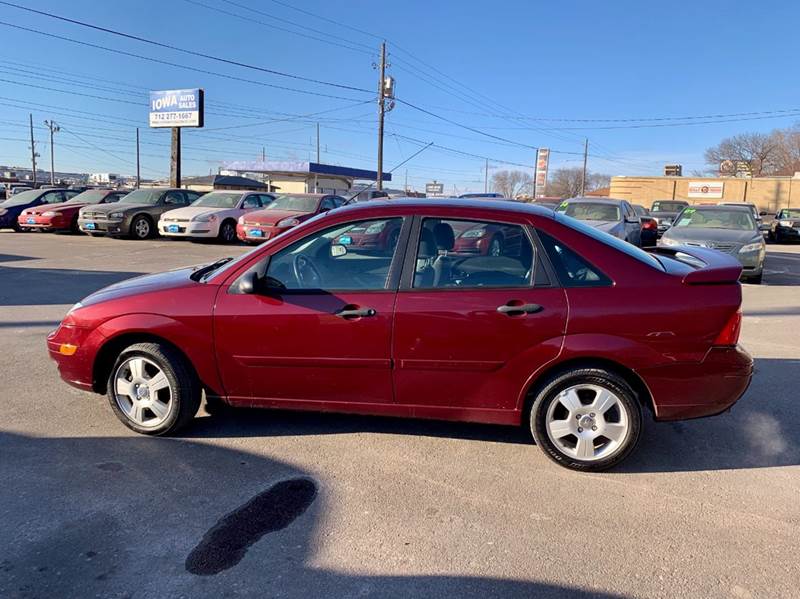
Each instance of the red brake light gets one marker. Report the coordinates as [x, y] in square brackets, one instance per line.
[649, 224]
[729, 335]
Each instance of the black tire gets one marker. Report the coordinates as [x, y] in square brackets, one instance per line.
[227, 232]
[593, 376]
[186, 391]
[495, 246]
[138, 229]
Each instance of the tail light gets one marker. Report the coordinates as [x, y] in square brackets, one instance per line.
[649, 225]
[729, 335]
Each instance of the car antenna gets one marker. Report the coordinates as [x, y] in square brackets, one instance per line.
[368, 187]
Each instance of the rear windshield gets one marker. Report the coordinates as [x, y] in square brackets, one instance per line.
[622, 246]
[719, 218]
[668, 206]
[590, 210]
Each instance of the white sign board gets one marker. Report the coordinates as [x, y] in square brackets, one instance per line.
[711, 190]
[176, 108]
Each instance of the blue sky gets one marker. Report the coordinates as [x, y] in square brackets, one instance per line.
[526, 71]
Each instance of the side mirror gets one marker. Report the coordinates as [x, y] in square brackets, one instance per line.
[248, 283]
[763, 213]
[251, 284]
[338, 250]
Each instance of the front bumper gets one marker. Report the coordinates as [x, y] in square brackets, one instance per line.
[75, 369]
[44, 223]
[693, 390]
[258, 233]
[187, 229]
[103, 226]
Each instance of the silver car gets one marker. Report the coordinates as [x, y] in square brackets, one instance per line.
[728, 229]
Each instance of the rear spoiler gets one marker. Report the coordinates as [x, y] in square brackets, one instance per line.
[711, 267]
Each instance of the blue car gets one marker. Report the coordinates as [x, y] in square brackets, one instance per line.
[11, 208]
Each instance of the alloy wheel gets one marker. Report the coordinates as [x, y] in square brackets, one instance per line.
[143, 392]
[587, 422]
[142, 228]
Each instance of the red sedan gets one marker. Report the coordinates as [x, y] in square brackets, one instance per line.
[64, 216]
[574, 335]
[285, 212]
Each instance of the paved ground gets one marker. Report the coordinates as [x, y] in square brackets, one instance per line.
[383, 508]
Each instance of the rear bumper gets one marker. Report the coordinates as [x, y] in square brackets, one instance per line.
[693, 390]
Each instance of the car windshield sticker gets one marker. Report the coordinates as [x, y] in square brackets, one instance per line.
[345, 240]
[563, 205]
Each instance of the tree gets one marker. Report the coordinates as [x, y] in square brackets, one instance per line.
[511, 183]
[758, 150]
[566, 182]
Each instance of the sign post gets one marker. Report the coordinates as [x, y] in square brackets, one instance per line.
[176, 108]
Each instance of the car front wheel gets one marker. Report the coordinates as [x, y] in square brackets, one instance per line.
[141, 227]
[586, 419]
[152, 389]
[227, 232]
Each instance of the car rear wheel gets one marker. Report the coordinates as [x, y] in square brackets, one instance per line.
[586, 419]
[227, 232]
[152, 389]
[141, 228]
[496, 247]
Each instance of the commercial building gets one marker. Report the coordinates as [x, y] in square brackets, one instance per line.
[302, 177]
[770, 194]
[217, 182]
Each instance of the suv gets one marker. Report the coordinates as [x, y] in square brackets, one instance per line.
[136, 214]
[665, 211]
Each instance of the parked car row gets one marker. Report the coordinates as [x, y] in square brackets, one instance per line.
[251, 216]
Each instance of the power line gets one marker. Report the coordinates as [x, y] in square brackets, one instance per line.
[174, 64]
[184, 50]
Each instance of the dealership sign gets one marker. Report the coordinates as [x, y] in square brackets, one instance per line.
[434, 188]
[706, 189]
[176, 108]
[542, 164]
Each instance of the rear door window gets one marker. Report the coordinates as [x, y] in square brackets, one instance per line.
[251, 201]
[467, 254]
[571, 268]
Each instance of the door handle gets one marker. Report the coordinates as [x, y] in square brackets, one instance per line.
[351, 312]
[515, 309]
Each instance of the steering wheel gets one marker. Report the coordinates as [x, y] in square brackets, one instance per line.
[306, 273]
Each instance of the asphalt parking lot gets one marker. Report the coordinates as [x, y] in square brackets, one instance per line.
[379, 507]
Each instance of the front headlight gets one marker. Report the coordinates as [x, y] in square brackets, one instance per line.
[474, 233]
[50, 213]
[117, 215]
[204, 218]
[750, 247]
[785, 223]
[241, 220]
[667, 241]
[289, 222]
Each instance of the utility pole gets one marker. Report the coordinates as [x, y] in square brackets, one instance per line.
[406, 185]
[33, 152]
[317, 143]
[175, 158]
[263, 153]
[381, 112]
[585, 156]
[138, 172]
[486, 178]
[54, 128]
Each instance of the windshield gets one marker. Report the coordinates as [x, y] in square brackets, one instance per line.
[669, 206]
[142, 196]
[719, 218]
[26, 197]
[295, 203]
[623, 246]
[590, 210]
[218, 199]
[93, 196]
[790, 214]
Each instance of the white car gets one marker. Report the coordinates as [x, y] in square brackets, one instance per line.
[213, 215]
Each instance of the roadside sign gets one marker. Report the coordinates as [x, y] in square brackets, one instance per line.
[434, 188]
[706, 189]
[176, 108]
[542, 164]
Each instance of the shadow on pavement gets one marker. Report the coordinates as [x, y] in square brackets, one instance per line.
[762, 430]
[49, 286]
[102, 517]
[15, 258]
[781, 269]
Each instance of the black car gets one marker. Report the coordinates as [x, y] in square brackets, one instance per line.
[786, 225]
[665, 211]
